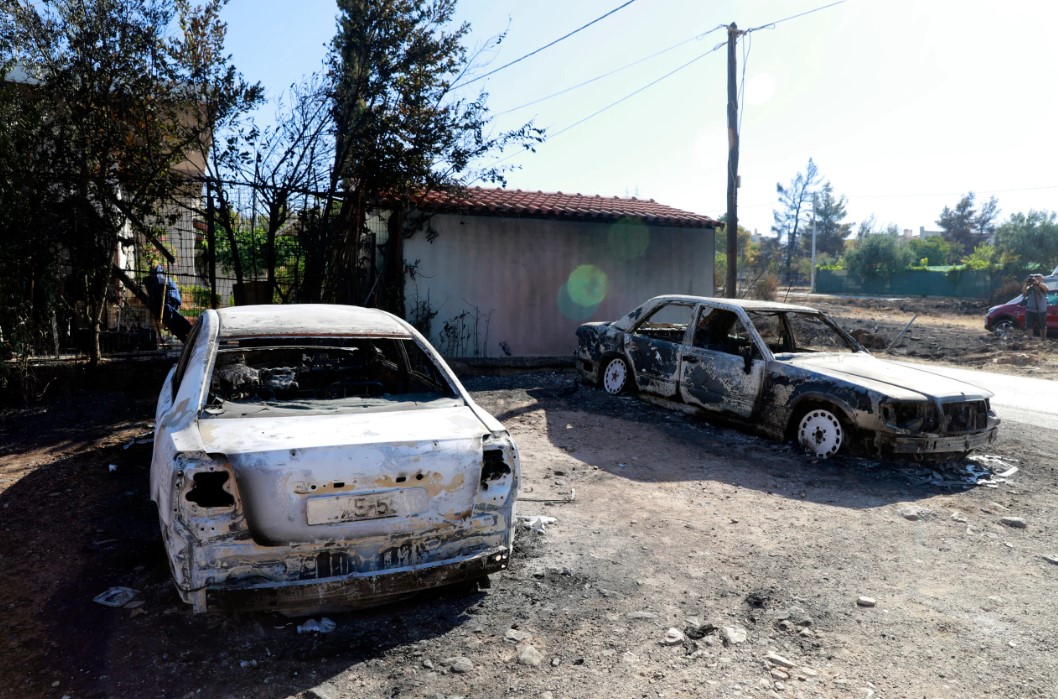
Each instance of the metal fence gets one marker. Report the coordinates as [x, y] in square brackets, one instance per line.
[192, 246]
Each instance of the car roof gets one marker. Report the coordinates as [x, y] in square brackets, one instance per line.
[746, 304]
[308, 319]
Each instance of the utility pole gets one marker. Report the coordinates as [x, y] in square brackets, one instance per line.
[731, 226]
[813, 285]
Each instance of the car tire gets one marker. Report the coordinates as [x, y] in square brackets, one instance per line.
[615, 376]
[821, 433]
[1004, 328]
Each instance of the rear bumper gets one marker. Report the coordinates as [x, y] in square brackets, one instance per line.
[312, 577]
[357, 590]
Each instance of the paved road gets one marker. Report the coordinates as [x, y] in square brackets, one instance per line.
[1017, 398]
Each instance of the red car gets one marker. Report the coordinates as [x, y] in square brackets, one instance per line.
[1004, 318]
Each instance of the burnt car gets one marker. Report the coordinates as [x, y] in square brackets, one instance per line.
[789, 371]
[1006, 317]
[311, 458]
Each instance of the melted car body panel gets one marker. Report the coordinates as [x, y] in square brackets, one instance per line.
[769, 379]
[310, 487]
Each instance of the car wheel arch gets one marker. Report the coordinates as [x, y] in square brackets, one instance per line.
[630, 384]
[812, 401]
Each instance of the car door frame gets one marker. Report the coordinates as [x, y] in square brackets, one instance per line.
[644, 353]
[717, 381]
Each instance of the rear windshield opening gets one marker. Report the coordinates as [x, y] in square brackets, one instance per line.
[325, 371]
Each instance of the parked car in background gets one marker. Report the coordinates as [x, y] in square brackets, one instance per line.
[788, 371]
[1006, 317]
[311, 458]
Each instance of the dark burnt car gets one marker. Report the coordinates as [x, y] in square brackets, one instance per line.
[788, 371]
[1004, 318]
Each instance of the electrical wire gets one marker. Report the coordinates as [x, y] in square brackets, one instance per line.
[609, 73]
[546, 46]
[771, 25]
[617, 102]
[633, 94]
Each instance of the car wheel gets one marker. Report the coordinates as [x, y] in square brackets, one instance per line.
[820, 432]
[1004, 328]
[615, 376]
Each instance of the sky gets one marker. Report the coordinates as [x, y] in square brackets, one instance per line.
[903, 105]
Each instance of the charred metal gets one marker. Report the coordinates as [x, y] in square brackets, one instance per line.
[787, 371]
[313, 458]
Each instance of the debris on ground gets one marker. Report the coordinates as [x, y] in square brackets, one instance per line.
[324, 625]
[537, 523]
[115, 597]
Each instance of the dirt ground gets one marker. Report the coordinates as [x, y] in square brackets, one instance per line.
[685, 559]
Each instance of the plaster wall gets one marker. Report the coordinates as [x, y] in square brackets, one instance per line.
[525, 284]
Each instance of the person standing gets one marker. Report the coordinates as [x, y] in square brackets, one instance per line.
[1036, 305]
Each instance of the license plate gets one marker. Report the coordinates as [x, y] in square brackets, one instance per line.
[355, 507]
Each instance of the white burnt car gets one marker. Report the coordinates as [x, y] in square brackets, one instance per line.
[786, 370]
[311, 458]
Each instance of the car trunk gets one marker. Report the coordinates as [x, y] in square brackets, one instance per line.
[339, 477]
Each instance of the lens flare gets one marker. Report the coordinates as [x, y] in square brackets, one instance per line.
[628, 239]
[583, 291]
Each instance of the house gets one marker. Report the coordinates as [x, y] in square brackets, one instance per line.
[512, 273]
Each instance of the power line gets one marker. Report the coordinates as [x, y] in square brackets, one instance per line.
[617, 102]
[546, 46]
[771, 25]
[633, 94]
[609, 73]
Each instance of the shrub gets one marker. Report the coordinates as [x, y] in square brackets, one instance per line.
[1007, 289]
[765, 288]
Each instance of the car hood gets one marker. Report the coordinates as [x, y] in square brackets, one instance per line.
[896, 380]
[290, 469]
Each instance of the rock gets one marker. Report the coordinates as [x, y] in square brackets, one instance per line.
[776, 659]
[458, 664]
[555, 662]
[733, 635]
[673, 637]
[777, 674]
[1015, 522]
[641, 616]
[809, 672]
[516, 636]
[547, 695]
[1051, 559]
[529, 655]
[959, 517]
[694, 628]
[865, 601]
[914, 513]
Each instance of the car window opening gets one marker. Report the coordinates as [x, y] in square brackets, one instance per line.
[327, 373]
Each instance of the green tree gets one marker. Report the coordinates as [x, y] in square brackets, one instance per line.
[934, 249]
[966, 226]
[795, 210]
[748, 252]
[401, 132]
[878, 255]
[118, 84]
[830, 227]
[1030, 240]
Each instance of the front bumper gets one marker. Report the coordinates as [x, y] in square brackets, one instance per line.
[937, 444]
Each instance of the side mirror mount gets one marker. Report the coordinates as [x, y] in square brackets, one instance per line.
[747, 358]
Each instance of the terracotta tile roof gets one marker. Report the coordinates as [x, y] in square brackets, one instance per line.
[557, 205]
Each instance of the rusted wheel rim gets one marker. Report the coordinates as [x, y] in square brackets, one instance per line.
[820, 433]
[615, 376]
